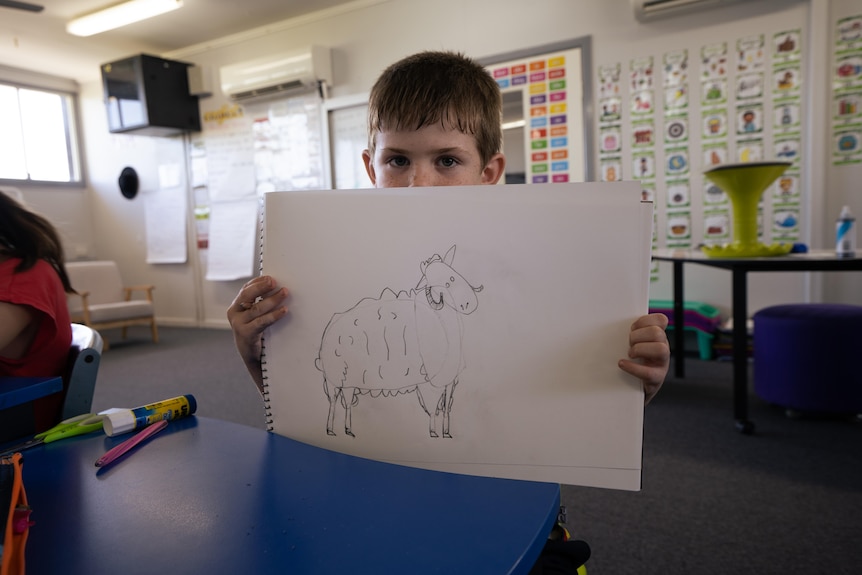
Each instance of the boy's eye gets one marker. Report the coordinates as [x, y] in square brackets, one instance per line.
[448, 161]
[398, 161]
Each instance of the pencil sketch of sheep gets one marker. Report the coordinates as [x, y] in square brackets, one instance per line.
[399, 343]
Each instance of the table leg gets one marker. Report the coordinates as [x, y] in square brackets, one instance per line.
[740, 352]
[678, 320]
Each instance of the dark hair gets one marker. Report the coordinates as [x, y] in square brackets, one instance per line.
[30, 237]
[430, 87]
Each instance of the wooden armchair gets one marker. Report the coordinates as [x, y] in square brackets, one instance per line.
[103, 302]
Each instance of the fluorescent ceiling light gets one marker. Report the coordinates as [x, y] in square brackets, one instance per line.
[119, 15]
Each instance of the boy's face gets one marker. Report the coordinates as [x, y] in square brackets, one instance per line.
[430, 156]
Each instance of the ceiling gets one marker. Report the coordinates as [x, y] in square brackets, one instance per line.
[39, 41]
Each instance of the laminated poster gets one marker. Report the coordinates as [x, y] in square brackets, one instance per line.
[463, 329]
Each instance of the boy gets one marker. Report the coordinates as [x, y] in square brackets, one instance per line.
[434, 119]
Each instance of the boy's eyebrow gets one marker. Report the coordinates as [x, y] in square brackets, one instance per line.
[448, 150]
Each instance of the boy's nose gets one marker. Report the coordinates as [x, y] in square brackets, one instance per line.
[422, 177]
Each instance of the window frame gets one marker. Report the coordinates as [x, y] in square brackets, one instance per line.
[74, 142]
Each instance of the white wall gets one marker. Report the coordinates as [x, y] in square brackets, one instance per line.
[373, 34]
[118, 223]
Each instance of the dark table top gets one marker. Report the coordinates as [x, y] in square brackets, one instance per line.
[814, 260]
[209, 496]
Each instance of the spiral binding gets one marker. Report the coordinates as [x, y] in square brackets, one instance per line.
[261, 222]
[267, 409]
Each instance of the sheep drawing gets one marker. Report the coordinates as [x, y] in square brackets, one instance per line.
[400, 343]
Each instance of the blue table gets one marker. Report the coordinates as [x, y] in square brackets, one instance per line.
[209, 496]
[19, 390]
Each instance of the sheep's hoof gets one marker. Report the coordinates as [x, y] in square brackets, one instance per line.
[447, 434]
[348, 432]
[330, 432]
[434, 434]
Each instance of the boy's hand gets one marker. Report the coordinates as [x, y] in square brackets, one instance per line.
[249, 317]
[649, 353]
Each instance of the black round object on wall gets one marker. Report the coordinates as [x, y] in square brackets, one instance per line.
[129, 183]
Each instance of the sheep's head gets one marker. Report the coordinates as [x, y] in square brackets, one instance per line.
[444, 286]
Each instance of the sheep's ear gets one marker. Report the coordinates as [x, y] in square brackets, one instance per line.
[450, 255]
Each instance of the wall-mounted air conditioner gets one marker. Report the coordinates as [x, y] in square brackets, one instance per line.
[646, 10]
[277, 74]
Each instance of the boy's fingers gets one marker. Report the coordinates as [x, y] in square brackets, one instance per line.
[649, 350]
[648, 334]
[260, 295]
[653, 319]
[255, 288]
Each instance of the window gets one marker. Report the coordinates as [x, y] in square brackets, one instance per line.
[38, 142]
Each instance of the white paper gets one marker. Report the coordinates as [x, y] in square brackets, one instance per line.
[563, 270]
[232, 240]
[165, 221]
[230, 160]
[170, 175]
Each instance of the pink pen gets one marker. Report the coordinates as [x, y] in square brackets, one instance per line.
[113, 453]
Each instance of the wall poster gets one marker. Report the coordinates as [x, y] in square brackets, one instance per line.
[551, 86]
[690, 107]
[245, 150]
[847, 92]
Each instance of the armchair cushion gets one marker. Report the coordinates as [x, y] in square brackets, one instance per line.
[100, 280]
[103, 302]
[118, 311]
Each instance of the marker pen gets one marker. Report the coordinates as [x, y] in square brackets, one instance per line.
[125, 420]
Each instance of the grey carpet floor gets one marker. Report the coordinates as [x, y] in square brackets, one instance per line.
[785, 500]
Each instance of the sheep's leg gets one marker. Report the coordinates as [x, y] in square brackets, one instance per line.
[349, 399]
[431, 431]
[438, 409]
[448, 407]
[333, 401]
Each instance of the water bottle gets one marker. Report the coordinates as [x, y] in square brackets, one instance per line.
[845, 234]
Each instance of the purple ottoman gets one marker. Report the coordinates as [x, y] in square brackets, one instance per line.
[806, 357]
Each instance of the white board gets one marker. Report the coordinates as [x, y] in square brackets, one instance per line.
[563, 271]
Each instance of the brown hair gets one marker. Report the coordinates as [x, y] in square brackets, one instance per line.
[30, 237]
[430, 87]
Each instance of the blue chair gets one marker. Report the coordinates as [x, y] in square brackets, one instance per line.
[79, 381]
[17, 419]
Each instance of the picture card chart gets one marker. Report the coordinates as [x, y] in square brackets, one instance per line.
[785, 193]
[667, 115]
[610, 128]
[847, 92]
[714, 131]
[418, 337]
[552, 94]
[675, 139]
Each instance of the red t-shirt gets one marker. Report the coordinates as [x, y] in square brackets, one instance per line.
[40, 288]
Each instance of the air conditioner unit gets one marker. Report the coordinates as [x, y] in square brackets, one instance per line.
[646, 10]
[277, 74]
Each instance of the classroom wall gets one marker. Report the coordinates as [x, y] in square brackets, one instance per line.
[841, 185]
[366, 36]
